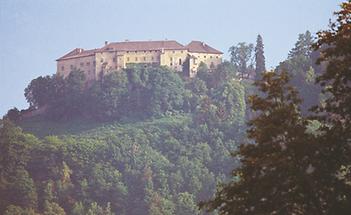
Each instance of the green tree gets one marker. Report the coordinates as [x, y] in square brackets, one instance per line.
[14, 115]
[303, 75]
[278, 174]
[230, 100]
[95, 209]
[16, 210]
[78, 209]
[23, 190]
[335, 47]
[303, 46]
[166, 90]
[37, 92]
[160, 205]
[16, 185]
[300, 65]
[186, 204]
[75, 85]
[107, 97]
[259, 57]
[197, 90]
[241, 57]
[52, 208]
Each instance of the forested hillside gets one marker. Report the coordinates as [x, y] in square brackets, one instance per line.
[139, 141]
[147, 141]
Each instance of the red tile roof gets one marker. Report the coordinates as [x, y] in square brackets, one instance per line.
[201, 47]
[194, 46]
[144, 46]
[78, 52]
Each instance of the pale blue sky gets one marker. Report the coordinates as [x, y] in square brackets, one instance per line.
[33, 33]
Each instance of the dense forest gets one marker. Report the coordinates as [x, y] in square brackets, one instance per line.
[146, 140]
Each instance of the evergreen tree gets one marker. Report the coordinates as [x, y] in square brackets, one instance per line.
[300, 68]
[335, 47]
[278, 173]
[303, 46]
[259, 57]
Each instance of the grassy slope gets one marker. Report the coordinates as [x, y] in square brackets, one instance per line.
[43, 127]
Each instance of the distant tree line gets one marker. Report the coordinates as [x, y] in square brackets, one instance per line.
[136, 92]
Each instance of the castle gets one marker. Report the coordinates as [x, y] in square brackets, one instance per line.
[117, 55]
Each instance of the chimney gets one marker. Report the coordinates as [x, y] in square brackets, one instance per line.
[106, 42]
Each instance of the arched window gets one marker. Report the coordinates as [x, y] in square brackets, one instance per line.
[180, 61]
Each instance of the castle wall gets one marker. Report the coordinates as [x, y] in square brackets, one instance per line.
[107, 62]
[86, 64]
[211, 60]
[174, 59]
[142, 56]
[102, 61]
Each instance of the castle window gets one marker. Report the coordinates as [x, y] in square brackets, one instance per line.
[171, 64]
[180, 61]
[102, 60]
[144, 51]
[88, 63]
[170, 59]
[127, 52]
[150, 51]
[127, 58]
[216, 56]
[136, 59]
[136, 52]
[211, 57]
[173, 51]
[181, 52]
[144, 58]
[152, 58]
[204, 56]
[62, 68]
[114, 59]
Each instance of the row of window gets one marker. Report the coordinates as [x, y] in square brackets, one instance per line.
[150, 51]
[205, 56]
[171, 61]
[81, 64]
[144, 58]
[128, 59]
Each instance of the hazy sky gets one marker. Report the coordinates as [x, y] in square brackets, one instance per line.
[33, 33]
